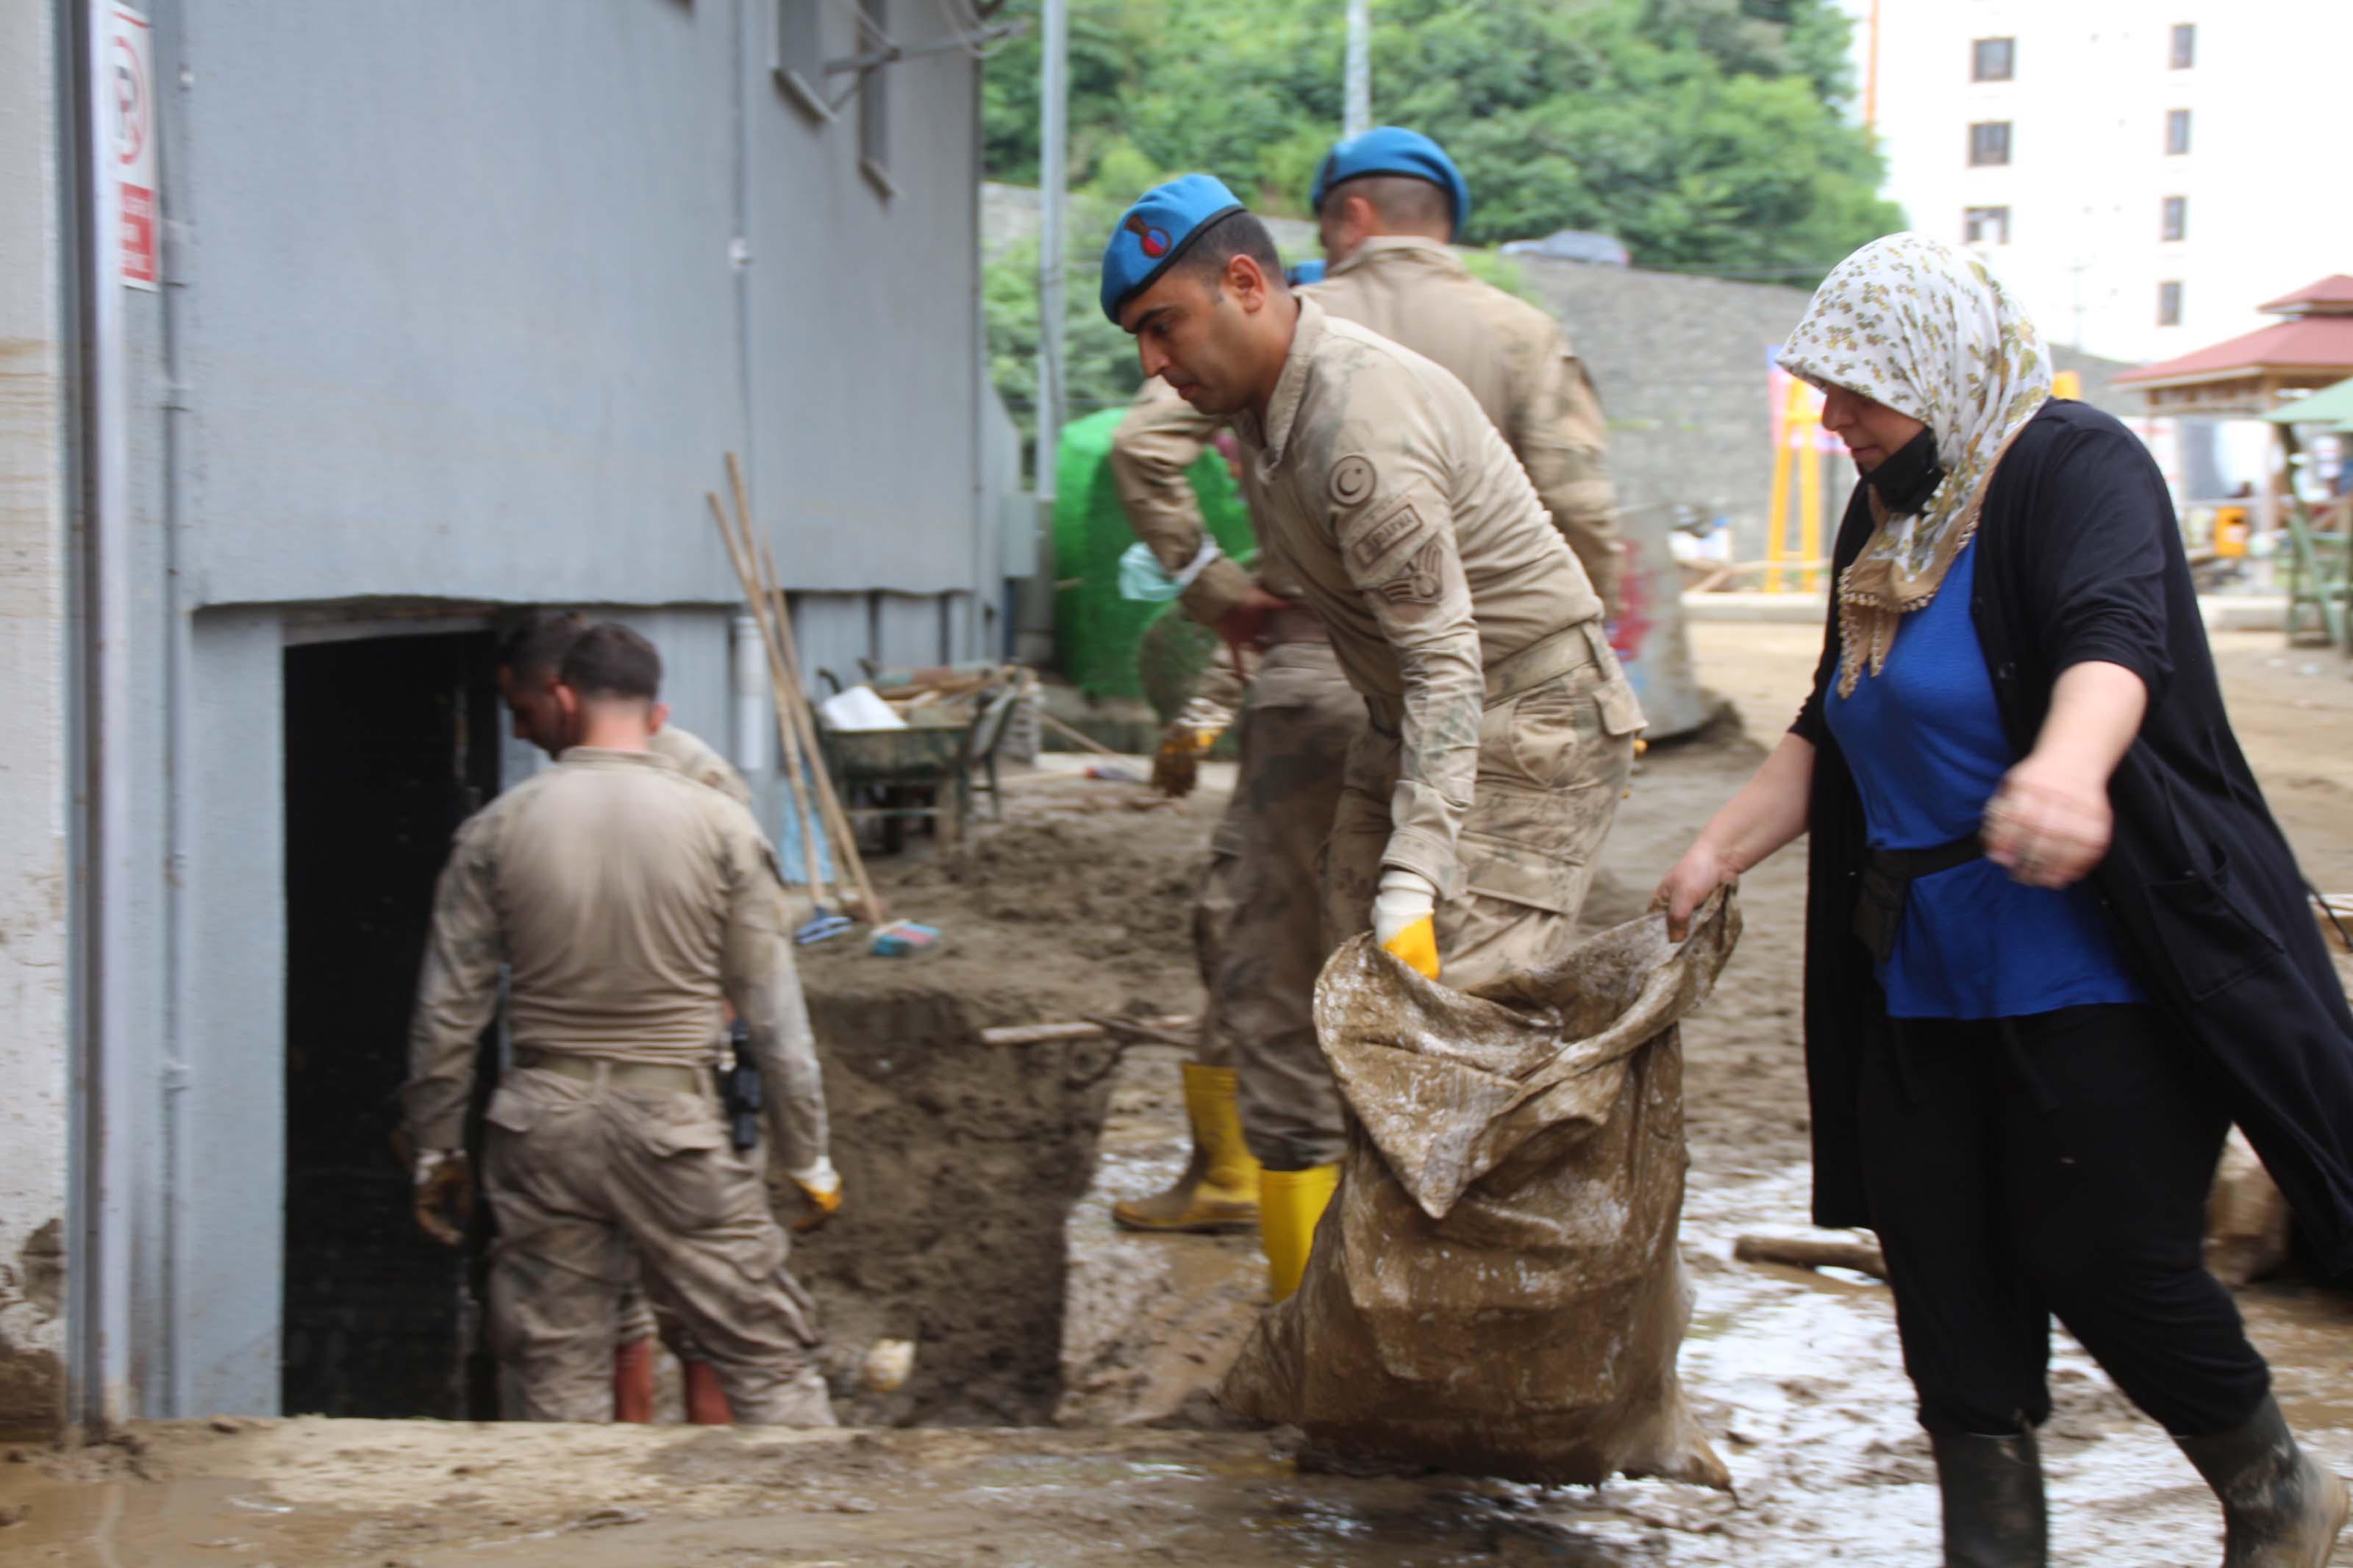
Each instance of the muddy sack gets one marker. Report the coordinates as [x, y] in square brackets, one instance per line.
[1496, 1287]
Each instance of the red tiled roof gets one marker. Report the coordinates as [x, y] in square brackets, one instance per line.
[2335, 290]
[2307, 342]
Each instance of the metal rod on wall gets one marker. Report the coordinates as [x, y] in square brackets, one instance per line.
[1357, 117]
[103, 1358]
[1053, 110]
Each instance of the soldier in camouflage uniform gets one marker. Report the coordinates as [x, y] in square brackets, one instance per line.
[1256, 1092]
[630, 905]
[1387, 203]
[1501, 729]
[530, 656]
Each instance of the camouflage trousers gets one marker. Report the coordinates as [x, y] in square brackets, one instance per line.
[593, 1185]
[1553, 763]
[638, 1319]
[1257, 927]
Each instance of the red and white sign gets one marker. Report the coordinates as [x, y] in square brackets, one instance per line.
[130, 106]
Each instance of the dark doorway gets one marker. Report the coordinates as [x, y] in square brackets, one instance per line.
[390, 743]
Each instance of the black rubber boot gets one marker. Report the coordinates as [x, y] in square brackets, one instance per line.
[2279, 1509]
[1992, 1488]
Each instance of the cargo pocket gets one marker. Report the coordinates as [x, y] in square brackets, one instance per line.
[1534, 740]
[1519, 874]
[512, 1110]
[681, 1135]
[1622, 711]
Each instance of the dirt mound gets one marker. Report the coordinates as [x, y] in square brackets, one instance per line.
[961, 1161]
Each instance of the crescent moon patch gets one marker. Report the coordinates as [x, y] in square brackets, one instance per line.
[1353, 479]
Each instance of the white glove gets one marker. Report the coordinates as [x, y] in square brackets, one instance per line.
[1404, 897]
[431, 1160]
[819, 1179]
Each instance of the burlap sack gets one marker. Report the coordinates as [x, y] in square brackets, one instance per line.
[2247, 1219]
[1496, 1287]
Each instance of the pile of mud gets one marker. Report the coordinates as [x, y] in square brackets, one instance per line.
[961, 1161]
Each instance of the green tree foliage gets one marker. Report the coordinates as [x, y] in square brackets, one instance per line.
[1708, 135]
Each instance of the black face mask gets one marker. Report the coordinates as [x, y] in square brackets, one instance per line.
[1905, 480]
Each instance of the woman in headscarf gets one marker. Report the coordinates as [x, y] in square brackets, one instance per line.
[2055, 942]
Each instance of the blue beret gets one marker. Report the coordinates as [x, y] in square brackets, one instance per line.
[1156, 231]
[1393, 150]
[1303, 273]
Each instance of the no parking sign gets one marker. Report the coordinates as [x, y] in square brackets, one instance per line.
[131, 104]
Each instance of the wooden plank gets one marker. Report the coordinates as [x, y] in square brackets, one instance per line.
[1088, 1029]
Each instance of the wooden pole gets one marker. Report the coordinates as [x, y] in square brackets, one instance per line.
[778, 683]
[1803, 1254]
[845, 836]
[1085, 742]
[1047, 1034]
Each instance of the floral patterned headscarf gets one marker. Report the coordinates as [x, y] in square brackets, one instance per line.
[1928, 330]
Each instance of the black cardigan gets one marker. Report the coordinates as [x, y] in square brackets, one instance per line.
[2080, 559]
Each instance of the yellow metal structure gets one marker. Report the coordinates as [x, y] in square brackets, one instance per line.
[1801, 427]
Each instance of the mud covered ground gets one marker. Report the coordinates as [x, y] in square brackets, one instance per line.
[960, 1158]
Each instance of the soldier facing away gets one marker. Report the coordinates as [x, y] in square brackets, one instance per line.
[531, 657]
[629, 905]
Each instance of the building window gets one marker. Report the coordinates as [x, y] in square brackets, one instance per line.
[799, 63]
[2185, 45]
[1984, 225]
[2169, 304]
[1989, 142]
[2176, 131]
[1992, 59]
[2175, 223]
[874, 96]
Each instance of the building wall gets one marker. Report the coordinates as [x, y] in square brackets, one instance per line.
[2089, 168]
[466, 314]
[36, 878]
[464, 304]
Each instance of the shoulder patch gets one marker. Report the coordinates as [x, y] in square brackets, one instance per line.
[1417, 580]
[1353, 479]
[1376, 542]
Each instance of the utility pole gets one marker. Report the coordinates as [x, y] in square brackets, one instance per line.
[1357, 118]
[1054, 110]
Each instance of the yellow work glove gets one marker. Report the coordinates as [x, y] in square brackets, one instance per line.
[1405, 918]
[445, 1194]
[820, 1186]
[1176, 767]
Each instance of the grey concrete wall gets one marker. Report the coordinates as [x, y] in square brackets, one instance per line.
[225, 1185]
[461, 315]
[35, 1000]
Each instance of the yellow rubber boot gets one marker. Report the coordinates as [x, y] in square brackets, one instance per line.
[1288, 1205]
[1218, 1191]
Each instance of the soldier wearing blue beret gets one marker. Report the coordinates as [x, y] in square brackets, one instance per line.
[1501, 727]
[1388, 201]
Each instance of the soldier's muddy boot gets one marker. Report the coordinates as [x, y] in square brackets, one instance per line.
[1992, 1489]
[633, 1380]
[1288, 1205]
[1218, 1191]
[706, 1401]
[2280, 1510]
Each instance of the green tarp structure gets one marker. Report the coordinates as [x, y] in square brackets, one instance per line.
[2331, 406]
[1096, 632]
